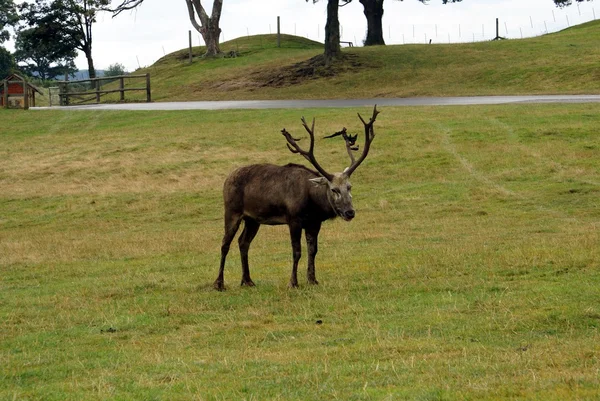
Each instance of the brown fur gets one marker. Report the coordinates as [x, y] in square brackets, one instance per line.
[268, 194]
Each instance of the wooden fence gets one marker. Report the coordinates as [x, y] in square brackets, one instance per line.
[71, 92]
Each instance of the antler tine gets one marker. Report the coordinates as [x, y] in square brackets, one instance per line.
[310, 156]
[311, 132]
[349, 140]
[369, 136]
[348, 146]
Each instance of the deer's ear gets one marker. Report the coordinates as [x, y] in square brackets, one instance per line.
[319, 181]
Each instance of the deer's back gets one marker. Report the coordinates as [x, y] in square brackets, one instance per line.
[270, 194]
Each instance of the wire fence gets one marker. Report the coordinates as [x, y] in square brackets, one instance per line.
[403, 30]
[509, 29]
[407, 33]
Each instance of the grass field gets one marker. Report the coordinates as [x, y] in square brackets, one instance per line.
[470, 272]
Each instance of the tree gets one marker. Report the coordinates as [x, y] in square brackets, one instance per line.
[40, 52]
[332, 32]
[373, 10]
[7, 62]
[8, 17]
[114, 70]
[566, 3]
[75, 19]
[208, 27]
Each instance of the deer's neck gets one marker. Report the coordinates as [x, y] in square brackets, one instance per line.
[320, 198]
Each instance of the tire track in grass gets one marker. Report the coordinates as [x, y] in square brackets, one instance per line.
[528, 150]
[449, 147]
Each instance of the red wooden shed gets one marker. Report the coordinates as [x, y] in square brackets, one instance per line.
[12, 92]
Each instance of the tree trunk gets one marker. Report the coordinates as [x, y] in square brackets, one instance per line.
[373, 10]
[332, 32]
[208, 26]
[211, 36]
[90, 61]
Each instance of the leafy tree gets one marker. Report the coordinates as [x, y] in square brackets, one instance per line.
[114, 70]
[41, 53]
[7, 62]
[73, 20]
[566, 3]
[8, 17]
[207, 26]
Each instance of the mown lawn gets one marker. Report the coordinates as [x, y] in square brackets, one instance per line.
[470, 272]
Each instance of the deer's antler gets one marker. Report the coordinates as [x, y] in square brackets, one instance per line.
[369, 135]
[308, 155]
[350, 142]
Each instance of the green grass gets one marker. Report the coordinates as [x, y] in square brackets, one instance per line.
[470, 272]
[566, 62]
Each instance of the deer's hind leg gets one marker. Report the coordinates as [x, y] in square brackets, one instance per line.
[232, 223]
[251, 227]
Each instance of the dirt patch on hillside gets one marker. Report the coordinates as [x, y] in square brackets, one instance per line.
[313, 68]
[292, 74]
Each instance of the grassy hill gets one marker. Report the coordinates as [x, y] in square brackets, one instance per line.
[563, 62]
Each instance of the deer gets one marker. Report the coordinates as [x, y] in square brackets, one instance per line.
[291, 194]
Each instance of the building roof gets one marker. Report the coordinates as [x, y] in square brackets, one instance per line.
[16, 77]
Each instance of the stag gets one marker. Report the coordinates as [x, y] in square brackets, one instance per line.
[291, 194]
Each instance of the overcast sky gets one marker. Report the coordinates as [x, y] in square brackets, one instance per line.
[140, 37]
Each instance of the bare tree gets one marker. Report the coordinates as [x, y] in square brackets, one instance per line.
[291, 194]
[207, 26]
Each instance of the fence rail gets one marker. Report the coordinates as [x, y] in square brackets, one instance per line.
[68, 96]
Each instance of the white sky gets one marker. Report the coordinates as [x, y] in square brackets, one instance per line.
[140, 37]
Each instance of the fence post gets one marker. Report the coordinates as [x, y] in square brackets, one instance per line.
[121, 87]
[5, 95]
[148, 92]
[190, 44]
[278, 32]
[67, 94]
[497, 28]
[25, 96]
[97, 91]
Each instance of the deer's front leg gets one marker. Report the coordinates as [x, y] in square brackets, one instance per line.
[312, 234]
[296, 236]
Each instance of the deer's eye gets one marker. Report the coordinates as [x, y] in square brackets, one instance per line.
[336, 191]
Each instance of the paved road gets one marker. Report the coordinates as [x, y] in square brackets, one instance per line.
[298, 104]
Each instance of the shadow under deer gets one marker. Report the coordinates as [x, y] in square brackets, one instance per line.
[292, 194]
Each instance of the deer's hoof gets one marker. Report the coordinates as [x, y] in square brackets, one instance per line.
[293, 285]
[313, 282]
[248, 283]
[219, 286]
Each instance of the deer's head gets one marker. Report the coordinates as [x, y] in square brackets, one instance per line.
[338, 184]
